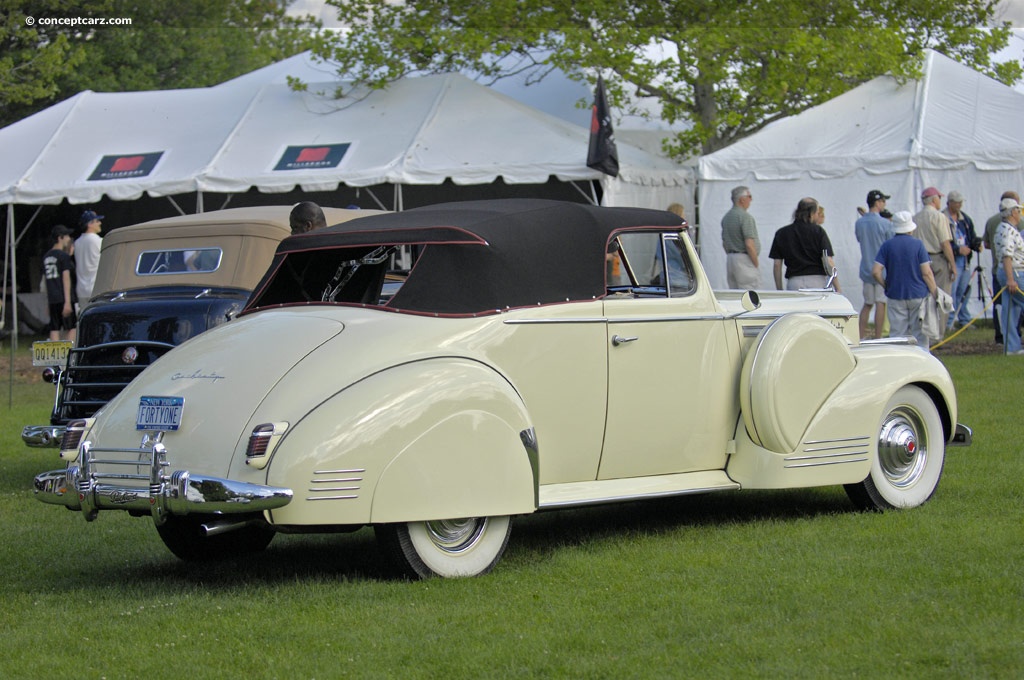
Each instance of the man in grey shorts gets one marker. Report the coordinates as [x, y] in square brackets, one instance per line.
[872, 230]
[741, 242]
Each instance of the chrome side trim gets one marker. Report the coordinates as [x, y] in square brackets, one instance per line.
[349, 478]
[821, 452]
[897, 340]
[830, 462]
[632, 497]
[652, 319]
[42, 436]
[864, 438]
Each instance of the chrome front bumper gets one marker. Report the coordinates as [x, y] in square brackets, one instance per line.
[91, 486]
[42, 436]
[962, 436]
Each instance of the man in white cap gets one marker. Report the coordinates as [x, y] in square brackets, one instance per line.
[933, 230]
[965, 244]
[1009, 253]
[903, 268]
[991, 227]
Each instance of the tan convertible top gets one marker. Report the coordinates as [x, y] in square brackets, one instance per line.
[247, 237]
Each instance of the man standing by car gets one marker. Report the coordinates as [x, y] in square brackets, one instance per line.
[872, 230]
[965, 243]
[306, 216]
[933, 230]
[87, 254]
[57, 273]
[741, 242]
[902, 267]
[1009, 252]
[991, 226]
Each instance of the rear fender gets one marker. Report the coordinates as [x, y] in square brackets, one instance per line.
[436, 439]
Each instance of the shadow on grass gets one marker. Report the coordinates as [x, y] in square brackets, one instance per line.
[665, 515]
[536, 538]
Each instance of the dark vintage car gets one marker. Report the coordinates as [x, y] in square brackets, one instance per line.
[158, 284]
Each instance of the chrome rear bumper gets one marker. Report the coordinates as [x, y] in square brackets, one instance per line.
[90, 487]
[42, 436]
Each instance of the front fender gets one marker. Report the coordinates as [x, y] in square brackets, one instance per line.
[433, 439]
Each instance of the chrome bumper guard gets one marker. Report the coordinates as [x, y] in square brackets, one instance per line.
[84, 487]
[962, 436]
[42, 436]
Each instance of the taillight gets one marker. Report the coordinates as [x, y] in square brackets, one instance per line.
[262, 441]
[259, 440]
[72, 438]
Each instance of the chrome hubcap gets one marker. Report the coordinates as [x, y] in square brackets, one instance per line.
[456, 535]
[902, 447]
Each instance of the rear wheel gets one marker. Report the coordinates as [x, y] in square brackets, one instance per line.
[186, 538]
[447, 548]
[911, 454]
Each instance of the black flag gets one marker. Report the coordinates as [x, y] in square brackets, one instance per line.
[602, 154]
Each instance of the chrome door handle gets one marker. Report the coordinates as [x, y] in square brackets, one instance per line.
[619, 340]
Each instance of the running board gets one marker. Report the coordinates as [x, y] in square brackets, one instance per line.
[634, 488]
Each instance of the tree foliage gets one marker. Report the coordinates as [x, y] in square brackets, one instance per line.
[728, 67]
[169, 44]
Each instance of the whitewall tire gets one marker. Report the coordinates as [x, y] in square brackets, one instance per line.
[910, 458]
[447, 548]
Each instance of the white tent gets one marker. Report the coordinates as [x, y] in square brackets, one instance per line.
[164, 138]
[420, 131]
[247, 133]
[954, 128]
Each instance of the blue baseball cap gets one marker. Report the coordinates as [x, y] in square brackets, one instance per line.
[88, 216]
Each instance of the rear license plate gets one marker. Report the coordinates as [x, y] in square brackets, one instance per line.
[159, 413]
[50, 352]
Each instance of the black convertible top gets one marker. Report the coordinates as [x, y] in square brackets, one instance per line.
[475, 256]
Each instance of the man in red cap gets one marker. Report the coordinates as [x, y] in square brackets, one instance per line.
[933, 230]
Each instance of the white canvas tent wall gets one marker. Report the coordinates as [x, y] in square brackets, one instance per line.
[953, 128]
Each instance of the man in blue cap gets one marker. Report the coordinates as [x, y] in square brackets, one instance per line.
[87, 253]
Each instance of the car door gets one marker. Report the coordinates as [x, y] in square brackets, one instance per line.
[671, 397]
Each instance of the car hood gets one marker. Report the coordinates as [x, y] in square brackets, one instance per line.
[222, 375]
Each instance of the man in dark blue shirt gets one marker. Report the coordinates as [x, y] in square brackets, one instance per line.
[904, 269]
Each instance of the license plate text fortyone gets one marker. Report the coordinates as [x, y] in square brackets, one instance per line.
[159, 413]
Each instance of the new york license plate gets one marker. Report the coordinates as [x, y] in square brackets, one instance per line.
[159, 413]
[50, 352]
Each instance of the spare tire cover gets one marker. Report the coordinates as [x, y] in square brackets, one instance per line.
[795, 364]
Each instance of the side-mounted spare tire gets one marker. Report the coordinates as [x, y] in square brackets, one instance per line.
[792, 368]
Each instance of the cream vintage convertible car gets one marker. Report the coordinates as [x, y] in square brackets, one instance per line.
[537, 355]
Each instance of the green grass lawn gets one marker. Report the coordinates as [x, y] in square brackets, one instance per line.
[792, 584]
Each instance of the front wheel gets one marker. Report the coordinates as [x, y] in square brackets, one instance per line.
[911, 454]
[448, 548]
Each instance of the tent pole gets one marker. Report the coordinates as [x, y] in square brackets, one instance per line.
[199, 202]
[176, 206]
[14, 283]
[9, 258]
[28, 224]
